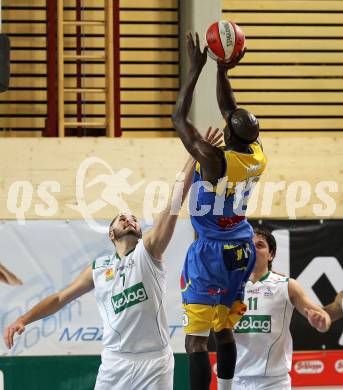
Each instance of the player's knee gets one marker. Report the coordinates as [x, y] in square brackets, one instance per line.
[224, 336]
[195, 344]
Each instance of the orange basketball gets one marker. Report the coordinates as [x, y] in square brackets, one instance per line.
[225, 40]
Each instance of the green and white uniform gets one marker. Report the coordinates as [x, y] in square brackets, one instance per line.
[264, 342]
[130, 294]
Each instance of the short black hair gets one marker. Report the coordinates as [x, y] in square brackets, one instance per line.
[267, 235]
[243, 125]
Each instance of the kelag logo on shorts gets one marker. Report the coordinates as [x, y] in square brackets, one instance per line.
[129, 297]
[254, 324]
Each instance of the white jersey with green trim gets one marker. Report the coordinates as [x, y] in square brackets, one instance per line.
[130, 294]
[263, 338]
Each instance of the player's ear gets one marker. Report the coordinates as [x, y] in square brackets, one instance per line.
[111, 235]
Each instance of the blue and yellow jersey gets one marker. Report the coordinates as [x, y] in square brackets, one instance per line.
[218, 212]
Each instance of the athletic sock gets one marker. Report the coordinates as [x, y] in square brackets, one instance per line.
[199, 370]
[226, 360]
[224, 384]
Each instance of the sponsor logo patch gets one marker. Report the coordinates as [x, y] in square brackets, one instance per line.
[309, 367]
[253, 291]
[254, 168]
[217, 291]
[339, 366]
[129, 297]
[108, 274]
[268, 292]
[129, 265]
[254, 324]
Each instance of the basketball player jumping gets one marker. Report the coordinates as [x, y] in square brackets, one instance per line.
[130, 288]
[263, 338]
[219, 263]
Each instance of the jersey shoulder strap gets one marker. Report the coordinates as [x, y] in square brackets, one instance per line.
[102, 261]
[276, 278]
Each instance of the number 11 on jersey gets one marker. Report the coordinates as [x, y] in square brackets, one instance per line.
[252, 303]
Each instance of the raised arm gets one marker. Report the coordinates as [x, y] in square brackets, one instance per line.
[50, 305]
[157, 239]
[225, 96]
[316, 316]
[208, 155]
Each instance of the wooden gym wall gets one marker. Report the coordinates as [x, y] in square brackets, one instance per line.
[304, 168]
[292, 74]
[305, 88]
[149, 65]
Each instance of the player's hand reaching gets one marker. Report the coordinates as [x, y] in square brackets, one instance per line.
[318, 319]
[17, 326]
[214, 136]
[225, 66]
[197, 58]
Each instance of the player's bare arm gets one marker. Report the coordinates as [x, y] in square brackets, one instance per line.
[316, 316]
[208, 155]
[8, 277]
[157, 239]
[335, 309]
[228, 106]
[50, 305]
[225, 96]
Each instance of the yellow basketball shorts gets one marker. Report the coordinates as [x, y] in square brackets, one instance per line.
[198, 319]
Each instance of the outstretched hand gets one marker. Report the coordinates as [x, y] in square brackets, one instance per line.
[214, 136]
[318, 319]
[17, 326]
[225, 66]
[197, 58]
